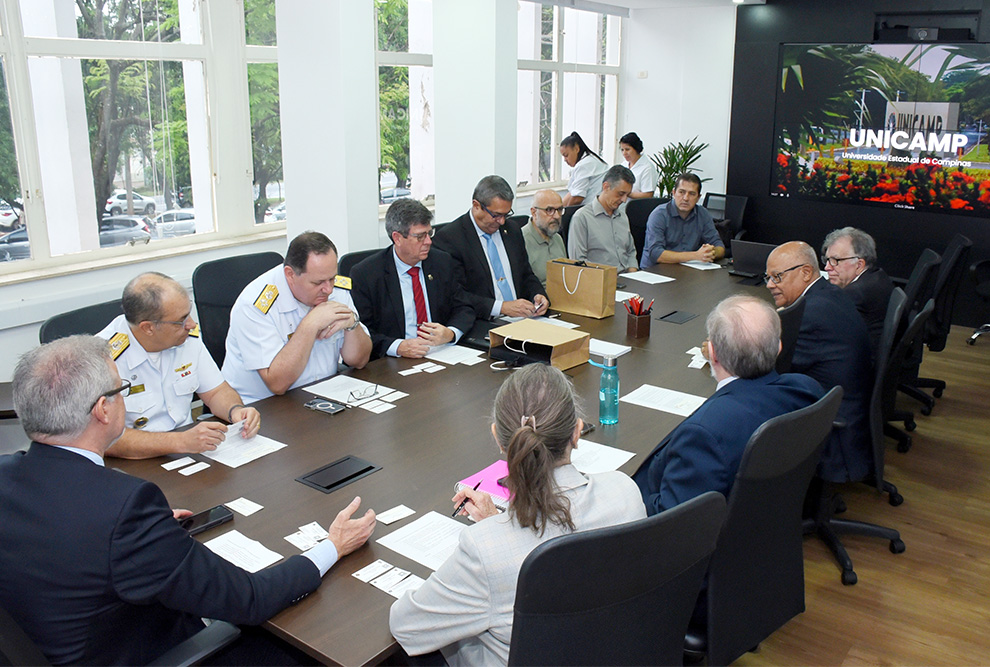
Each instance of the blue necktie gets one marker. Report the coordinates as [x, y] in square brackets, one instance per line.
[503, 283]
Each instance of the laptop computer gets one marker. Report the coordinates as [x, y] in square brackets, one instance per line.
[749, 258]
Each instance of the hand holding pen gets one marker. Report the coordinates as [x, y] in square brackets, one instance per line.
[480, 505]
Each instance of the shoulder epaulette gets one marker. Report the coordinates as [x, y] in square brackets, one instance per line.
[343, 282]
[118, 343]
[195, 332]
[266, 298]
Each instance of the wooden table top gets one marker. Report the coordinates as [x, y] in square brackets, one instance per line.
[434, 437]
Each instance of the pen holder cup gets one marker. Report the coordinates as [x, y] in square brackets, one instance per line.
[638, 326]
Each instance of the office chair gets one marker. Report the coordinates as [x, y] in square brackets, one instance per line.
[352, 259]
[620, 595]
[565, 220]
[728, 212]
[16, 648]
[216, 285]
[638, 211]
[980, 271]
[756, 575]
[518, 221]
[89, 320]
[937, 329]
[790, 327]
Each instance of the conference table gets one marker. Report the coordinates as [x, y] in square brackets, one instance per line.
[435, 436]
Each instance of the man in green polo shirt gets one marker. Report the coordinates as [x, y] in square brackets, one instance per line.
[542, 233]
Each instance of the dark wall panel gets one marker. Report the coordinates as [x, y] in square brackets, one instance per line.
[900, 235]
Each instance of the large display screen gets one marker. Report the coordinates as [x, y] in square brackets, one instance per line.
[894, 125]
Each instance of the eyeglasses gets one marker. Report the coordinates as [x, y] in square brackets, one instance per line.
[496, 216]
[549, 210]
[777, 277]
[361, 394]
[178, 323]
[124, 390]
[834, 261]
[422, 235]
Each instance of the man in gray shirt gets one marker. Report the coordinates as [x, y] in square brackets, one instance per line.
[599, 231]
[542, 233]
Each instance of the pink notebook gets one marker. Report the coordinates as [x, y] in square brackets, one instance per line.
[489, 483]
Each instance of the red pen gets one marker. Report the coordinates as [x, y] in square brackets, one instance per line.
[649, 308]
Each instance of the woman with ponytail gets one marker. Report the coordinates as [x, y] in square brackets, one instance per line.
[588, 170]
[465, 608]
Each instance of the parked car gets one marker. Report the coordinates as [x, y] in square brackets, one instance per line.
[177, 222]
[14, 245]
[117, 203]
[121, 229]
[9, 217]
[391, 194]
[275, 214]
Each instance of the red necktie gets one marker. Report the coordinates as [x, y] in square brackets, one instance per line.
[418, 295]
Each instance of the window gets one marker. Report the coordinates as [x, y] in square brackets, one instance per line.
[568, 81]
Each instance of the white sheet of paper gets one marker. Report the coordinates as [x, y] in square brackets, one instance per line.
[178, 463]
[301, 540]
[410, 371]
[591, 457]
[622, 296]
[235, 451]
[602, 347]
[701, 266]
[394, 396]
[472, 362]
[244, 507]
[666, 400]
[452, 354]
[193, 469]
[339, 388]
[369, 572]
[243, 552]
[410, 583]
[647, 277]
[428, 540]
[394, 514]
[390, 578]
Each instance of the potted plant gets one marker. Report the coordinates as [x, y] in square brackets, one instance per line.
[673, 160]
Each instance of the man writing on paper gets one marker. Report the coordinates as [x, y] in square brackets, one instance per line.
[681, 230]
[156, 345]
[599, 230]
[542, 234]
[292, 324]
[703, 453]
[833, 347]
[498, 279]
[94, 566]
[409, 296]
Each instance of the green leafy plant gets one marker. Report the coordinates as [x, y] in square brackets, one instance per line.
[673, 160]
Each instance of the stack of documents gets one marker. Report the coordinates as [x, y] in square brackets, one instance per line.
[235, 451]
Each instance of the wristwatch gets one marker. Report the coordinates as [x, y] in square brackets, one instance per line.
[357, 321]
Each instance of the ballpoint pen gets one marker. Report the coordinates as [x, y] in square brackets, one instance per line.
[464, 502]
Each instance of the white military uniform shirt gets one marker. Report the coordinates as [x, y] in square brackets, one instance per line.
[161, 394]
[262, 319]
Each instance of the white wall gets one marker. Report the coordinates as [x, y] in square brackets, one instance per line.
[687, 55]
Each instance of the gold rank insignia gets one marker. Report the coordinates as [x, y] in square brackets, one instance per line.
[183, 367]
[118, 343]
[266, 298]
[343, 282]
[136, 389]
[140, 422]
[195, 332]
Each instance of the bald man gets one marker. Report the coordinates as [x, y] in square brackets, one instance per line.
[542, 232]
[157, 348]
[833, 347]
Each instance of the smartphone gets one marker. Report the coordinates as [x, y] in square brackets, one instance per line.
[206, 519]
[588, 428]
[323, 405]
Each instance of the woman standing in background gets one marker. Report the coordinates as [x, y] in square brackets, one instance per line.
[642, 168]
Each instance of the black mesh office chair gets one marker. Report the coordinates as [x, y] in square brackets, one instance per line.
[790, 327]
[621, 595]
[638, 211]
[352, 259]
[980, 272]
[950, 273]
[89, 320]
[565, 221]
[517, 221]
[756, 576]
[16, 648]
[728, 212]
[216, 285]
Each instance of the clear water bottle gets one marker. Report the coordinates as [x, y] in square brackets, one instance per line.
[608, 394]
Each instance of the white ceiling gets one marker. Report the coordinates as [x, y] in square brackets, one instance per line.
[668, 4]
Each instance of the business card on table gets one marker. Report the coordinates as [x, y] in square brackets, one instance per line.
[394, 514]
[178, 463]
[202, 465]
[244, 506]
[369, 572]
[390, 579]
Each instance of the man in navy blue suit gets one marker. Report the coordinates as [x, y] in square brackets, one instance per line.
[703, 453]
[93, 564]
[833, 347]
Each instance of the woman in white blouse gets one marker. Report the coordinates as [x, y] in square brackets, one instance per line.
[588, 170]
[642, 168]
[465, 608]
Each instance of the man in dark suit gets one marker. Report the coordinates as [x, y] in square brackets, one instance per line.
[93, 564]
[849, 255]
[703, 453]
[498, 279]
[833, 347]
[409, 297]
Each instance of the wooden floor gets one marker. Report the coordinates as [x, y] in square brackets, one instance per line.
[931, 604]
